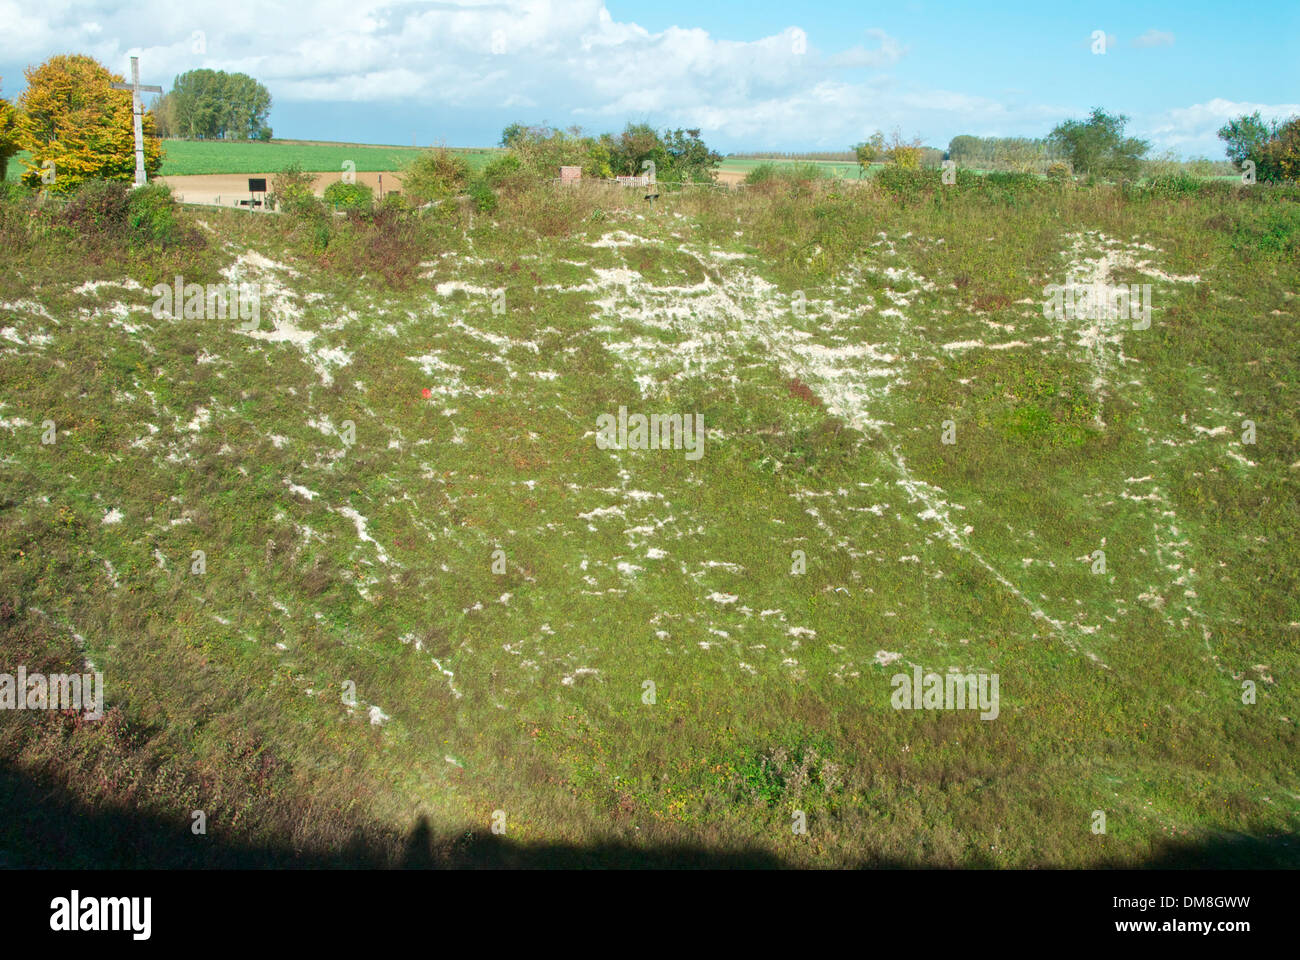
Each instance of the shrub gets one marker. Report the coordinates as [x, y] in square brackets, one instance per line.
[383, 241]
[678, 155]
[153, 214]
[870, 151]
[482, 195]
[435, 175]
[1058, 170]
[97, 207]
[11, 190]
[799, 775]
[291, 189]
[1281, 158]
[1174, 186]
[102, 211]
[909, 184]
[907, 157]
[1272, 233]
[1097, 146]
[502, 170]
[1246, 138]
[1009, 188]
[349, 196]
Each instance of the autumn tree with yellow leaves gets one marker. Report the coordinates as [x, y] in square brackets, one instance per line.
[8, 135]
[77, 128]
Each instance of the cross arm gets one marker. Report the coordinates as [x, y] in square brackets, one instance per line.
[143, 88]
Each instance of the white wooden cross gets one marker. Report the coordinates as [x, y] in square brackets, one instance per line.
[137, 108]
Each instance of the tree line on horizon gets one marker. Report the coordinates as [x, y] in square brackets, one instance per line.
[1098, 146]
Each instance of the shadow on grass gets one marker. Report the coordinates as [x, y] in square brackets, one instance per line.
[42, 827]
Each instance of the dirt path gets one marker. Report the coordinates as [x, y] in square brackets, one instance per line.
[227, 189]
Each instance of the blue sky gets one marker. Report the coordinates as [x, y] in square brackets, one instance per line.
[752, 75]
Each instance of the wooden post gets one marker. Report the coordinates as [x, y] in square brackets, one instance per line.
[137, 111]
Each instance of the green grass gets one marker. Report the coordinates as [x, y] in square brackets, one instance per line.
[522, 691]
[834, 168]
[191, 157]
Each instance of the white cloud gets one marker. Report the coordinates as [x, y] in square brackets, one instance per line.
[563, 61]
[1193, 129]
[569, 56]
[888, 53]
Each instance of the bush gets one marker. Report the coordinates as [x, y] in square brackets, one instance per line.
[909, 158]
[502, 170]
[13, 190]
[349, 196]
[109, 210]
[908, 184]
[435, 175]
[1174, 186]
[1009, 188]
[383, 241]
[291, 189]
[1281, 159]
[1272, 233]
[97, 207]
[485, 200]
[153, 214]
[800, 775]
[1097, 146]
[1058, 170]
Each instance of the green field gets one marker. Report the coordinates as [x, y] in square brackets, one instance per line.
[191, 157]
[188, 157]
[833, 168]
[632, 656]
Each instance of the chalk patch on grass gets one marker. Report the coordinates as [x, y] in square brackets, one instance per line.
[90, 286]
[451, 677]
[301, 490]
[363, 533]
[202, 417]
